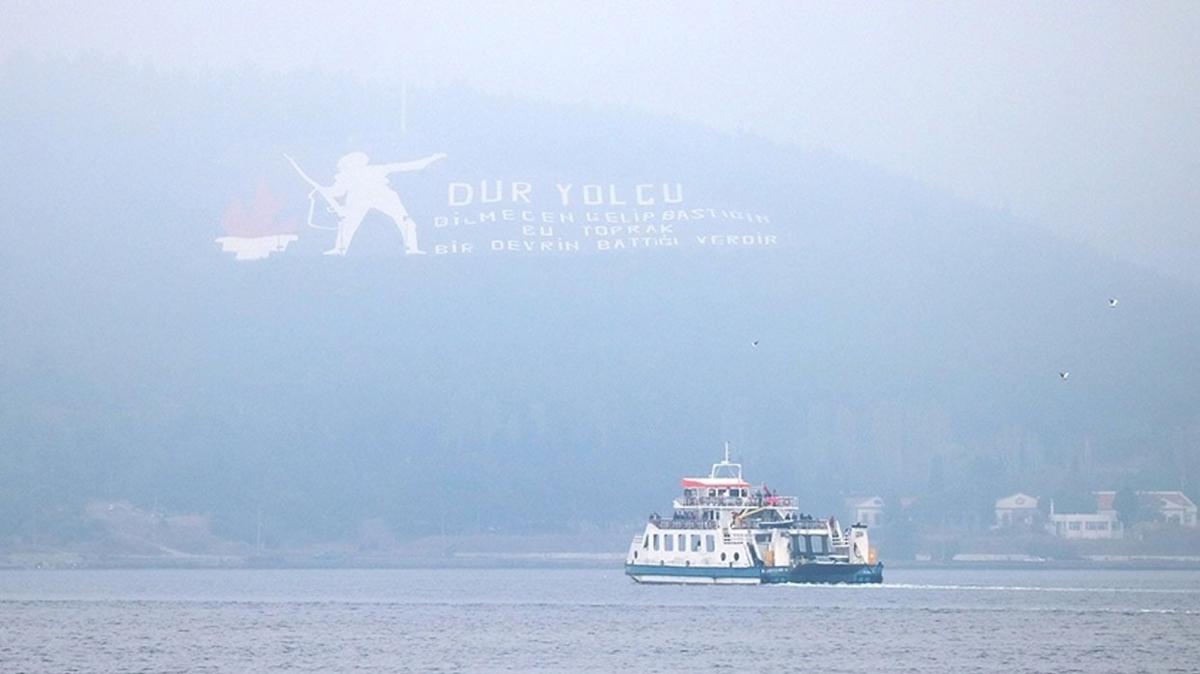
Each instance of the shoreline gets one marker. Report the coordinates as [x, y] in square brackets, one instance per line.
[565, 560]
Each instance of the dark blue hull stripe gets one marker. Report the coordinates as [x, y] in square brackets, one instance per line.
[806, 573]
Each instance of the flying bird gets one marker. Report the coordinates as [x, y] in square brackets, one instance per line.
[754, 343]
[1112, 303]
[1063, 375]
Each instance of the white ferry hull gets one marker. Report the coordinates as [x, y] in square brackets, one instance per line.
[665, 577]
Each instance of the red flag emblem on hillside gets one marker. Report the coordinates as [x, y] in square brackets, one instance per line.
[254, 232]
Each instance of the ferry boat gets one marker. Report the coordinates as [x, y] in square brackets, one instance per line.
[724, 532]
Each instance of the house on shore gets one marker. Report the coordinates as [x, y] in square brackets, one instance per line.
[1170, 508]
[1019, 510]
[866, 510]
[1095, 525]
[1166, 507]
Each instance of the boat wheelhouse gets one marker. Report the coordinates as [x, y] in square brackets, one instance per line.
[722, 530]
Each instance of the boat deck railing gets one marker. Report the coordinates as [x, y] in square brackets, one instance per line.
[739, 502]
[804, 527]
[684, 524]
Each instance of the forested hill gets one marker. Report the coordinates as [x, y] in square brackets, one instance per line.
[907, 342]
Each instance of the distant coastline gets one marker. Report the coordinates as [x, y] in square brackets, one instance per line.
[559, 560]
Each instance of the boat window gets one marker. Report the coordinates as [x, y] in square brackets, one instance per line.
[646, 543]
[655, 541]
[736, 556]
[682, 542]
[695, 542]
[670, 542]
[722, 556]
[710, 543]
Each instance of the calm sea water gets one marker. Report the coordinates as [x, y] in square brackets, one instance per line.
[506, 620]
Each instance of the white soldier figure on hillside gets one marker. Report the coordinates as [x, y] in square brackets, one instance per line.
[365, 187]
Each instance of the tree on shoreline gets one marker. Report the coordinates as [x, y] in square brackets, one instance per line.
[1125, 502]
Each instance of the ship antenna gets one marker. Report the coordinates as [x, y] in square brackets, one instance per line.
[726, 451]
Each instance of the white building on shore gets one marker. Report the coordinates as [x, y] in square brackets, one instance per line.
[866, 510]
[1171, 508]
[1104, 525]
[1167, 507]
[1017, 510]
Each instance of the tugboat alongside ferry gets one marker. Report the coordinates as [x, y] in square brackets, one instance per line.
[722, 531]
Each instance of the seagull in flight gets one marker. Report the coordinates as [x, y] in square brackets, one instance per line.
[1064, 375]
[754, 343]
[1112, 303]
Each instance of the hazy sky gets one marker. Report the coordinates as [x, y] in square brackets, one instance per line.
[1080, 116]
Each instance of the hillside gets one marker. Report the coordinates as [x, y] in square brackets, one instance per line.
[909, 342]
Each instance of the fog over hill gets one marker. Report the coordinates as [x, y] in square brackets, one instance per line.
[908, 342]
